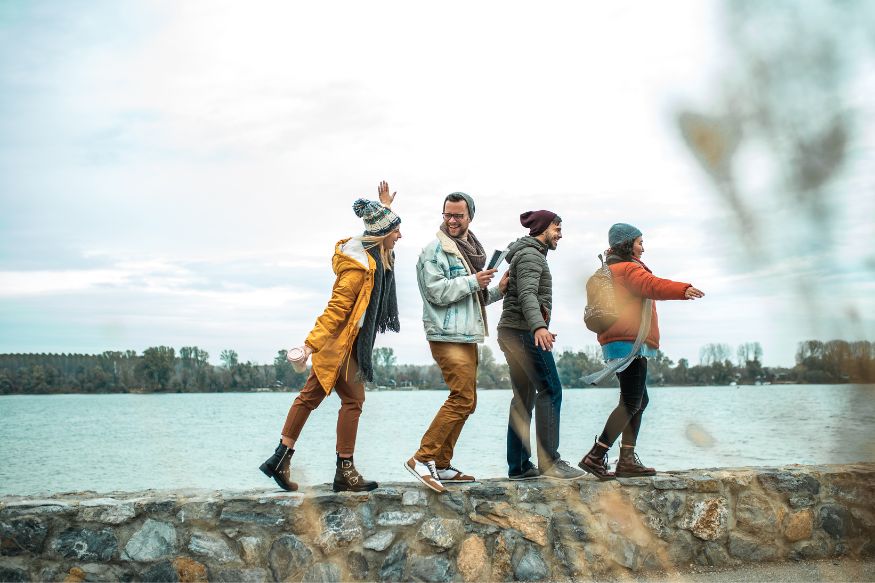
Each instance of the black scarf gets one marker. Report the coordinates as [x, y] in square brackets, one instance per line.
[382, 314]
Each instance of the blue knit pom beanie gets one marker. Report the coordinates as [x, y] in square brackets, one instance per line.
[622, 232]
[379, 220]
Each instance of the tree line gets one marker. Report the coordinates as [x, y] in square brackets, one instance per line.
[163, 369]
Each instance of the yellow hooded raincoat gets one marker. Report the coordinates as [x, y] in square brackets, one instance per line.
[336, 329]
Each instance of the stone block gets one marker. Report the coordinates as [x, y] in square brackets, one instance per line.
[288, 557]
[532, 526]
[799, 525]
[357, 566]
[624, 552]
[380, 541]
[835, 520]
[322, 573]
[190, 571]
[163, 572]
[432, 569]
[752, 549]
[528, 564]
[790, 483]
[396, 518]
[154, 540]
[414, 498]
[22, 535]
[12, 575]
[669, 483]
[107, 511]
[84, 544]
[443, 533]
[253, 548]
[472, 561]
[199, 511]
[707, 519]
[810, 550]
[757, 513]
[248, 512]
[712, 554]
[703, 483]
[339, 527]
[395, 563]
[212, 547]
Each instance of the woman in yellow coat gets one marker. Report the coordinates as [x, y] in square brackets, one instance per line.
[363, 302]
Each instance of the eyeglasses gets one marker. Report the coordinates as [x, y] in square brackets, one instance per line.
[457, 216]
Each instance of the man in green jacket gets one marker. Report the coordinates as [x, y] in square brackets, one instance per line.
[527, 343]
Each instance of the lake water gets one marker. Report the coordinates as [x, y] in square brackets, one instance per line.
[64, 443]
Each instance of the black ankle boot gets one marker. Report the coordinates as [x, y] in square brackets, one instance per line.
[348, 479]
[596, 462]
[278, 467]
[630, 465]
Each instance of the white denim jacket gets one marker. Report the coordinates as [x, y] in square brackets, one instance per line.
[450, 302]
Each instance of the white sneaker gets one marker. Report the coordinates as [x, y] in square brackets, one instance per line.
[426, 473]
[451, 475]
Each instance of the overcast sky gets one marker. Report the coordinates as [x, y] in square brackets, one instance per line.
[177, 173]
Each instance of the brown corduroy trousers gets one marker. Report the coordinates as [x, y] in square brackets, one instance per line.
[352, 397]
[458, 364]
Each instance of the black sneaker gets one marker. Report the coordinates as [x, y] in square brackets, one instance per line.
[562, 471]
[529, 474]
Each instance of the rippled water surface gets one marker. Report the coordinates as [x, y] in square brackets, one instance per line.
[60, 443]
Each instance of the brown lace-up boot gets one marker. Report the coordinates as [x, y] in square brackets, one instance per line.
[630, 466]
[278, 467]
[596, 462]
[348, 479]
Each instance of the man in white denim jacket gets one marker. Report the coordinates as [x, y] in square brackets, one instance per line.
[454, 284]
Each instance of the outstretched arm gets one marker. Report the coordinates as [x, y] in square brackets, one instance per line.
[383, 194]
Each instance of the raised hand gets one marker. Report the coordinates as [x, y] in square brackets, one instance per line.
[383, 193]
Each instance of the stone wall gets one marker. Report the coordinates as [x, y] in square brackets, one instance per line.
[496, 530]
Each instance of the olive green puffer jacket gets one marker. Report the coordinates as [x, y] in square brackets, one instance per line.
[529, 297]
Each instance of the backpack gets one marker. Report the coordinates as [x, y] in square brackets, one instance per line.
[601, 305]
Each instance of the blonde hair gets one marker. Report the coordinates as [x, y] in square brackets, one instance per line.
[386, 256]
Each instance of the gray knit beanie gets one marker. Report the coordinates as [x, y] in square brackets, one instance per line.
[379, 220]
[468, 201]
[622, 232]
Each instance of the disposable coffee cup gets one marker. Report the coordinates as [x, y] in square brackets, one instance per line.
[298, 358]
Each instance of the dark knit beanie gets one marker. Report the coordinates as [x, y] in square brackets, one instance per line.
[622, 232]
[468, 201]
[379, 220]
[537, 221]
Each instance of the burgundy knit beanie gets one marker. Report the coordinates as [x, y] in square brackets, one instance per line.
[537, 221]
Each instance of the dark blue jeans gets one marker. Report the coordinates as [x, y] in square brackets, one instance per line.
[536, 386]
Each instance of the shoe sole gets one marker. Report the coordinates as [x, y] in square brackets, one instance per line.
[523, 478]
[423, 482]
[459, 481]
[598, 477]
[562, 479]
[635, 475]
[343, 488]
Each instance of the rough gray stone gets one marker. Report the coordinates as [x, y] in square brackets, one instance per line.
[162, 572]
[107, 511]
[357, 566]
[433, 568]
[84, 544]
[708, 518]
[808, 550]
[835, 520]
[205, 511]
[253, 548]
[153, 507]
[443, 533]
[322, 573]
[211, 546]
[242, 576]
[339, 527]
[386, 495]
[395, 563]
[243, 512]
[414, 498]
[703, 483]
[395, 518]
[624, 552]
[755, 513]
[380, 541]
[36, 507]
[22, 535]
[530, 493]
[491, 492]
[153, 541]
[288, 556]
[748, 548]
[669, 504]
[454, 501]
[792, 483]
[10, 575]
[712, 554]
[669, 483]
[528, 564]
[49, 574]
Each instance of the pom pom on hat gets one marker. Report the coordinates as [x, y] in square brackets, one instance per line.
[379, 220]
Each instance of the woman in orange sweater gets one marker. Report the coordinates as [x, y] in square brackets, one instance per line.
[633, 282]
[363, 302]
